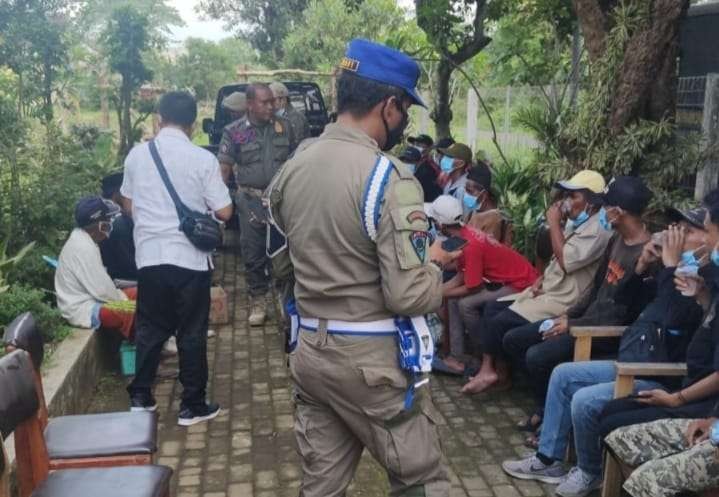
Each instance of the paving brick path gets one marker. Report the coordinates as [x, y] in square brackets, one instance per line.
[248, 451]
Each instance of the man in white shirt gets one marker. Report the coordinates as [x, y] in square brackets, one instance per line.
[174, 276]
[86, 295]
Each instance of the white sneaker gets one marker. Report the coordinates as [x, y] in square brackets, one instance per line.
[170, 347]
[211, 333]
[258, 311]
[578, 484]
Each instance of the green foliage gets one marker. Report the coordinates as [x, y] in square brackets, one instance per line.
[523, 199]
[204, 66]
[19, 299]
[7, 262]
[319, 39]
[263, 23]
[581, 137]
[125, 39]
[33, 45]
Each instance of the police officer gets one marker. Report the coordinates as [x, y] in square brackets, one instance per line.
[236, 105]
[284, 108]
[256, 146]
[357, 238]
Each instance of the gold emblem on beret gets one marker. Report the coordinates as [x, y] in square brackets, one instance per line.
[349, 64]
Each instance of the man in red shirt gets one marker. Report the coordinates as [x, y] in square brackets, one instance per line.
[486, 271]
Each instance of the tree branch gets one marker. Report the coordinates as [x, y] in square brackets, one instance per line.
[472, 46]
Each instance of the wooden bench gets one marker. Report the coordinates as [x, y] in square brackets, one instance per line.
[19, 414]
[83, 441]
[584, 335]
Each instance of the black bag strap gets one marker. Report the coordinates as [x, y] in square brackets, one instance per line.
[181, 208]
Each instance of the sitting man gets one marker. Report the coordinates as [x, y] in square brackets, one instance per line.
[455, 163]
[483, 213]
[486, 270]
[671, 456]
[411, 157]
[579, 391]
[86, 295]
[428, 170]
[577, 249]
[118, 250]
[700, 388]
[603, 303]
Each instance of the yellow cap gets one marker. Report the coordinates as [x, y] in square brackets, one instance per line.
[584, 180]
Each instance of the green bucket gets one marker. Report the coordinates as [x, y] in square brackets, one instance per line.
[127, 358]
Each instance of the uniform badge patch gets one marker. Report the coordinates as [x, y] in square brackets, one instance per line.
[349, 64]
[245, 136]
[419, 243]
[416, 216]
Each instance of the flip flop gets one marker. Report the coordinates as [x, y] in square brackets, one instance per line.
[527, 424]
[439, 366]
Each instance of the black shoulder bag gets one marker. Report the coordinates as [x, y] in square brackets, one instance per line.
[201, 229]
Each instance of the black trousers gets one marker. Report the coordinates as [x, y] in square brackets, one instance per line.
[172, 300]
[487, 335]
[626, 412]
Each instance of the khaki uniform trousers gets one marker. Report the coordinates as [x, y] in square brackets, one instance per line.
[666, 464]
[349, 394]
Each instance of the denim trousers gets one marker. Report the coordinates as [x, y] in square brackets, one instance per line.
[578, 391]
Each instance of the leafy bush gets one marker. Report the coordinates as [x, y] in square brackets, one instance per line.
[20, 298]
[523, 197]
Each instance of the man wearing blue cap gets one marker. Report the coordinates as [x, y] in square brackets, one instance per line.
[357, 239]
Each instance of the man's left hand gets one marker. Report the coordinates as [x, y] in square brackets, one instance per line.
[561, 326]
[699, 431]
[658, 397]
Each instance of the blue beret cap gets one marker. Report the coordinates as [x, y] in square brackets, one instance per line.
[383, 64]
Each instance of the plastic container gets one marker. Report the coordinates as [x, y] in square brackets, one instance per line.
[127, 358]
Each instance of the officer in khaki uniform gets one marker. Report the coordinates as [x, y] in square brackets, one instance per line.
[361, 256]
[255, 146]
[236, 105]
[283, 108]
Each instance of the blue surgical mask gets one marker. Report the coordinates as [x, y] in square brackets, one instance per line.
[715, 257]
[580, 219]
[446, 164]
[689, 259]
[411, 167]
[470, 201]
[604, 220]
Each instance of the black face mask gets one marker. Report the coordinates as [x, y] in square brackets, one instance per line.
[395, 135]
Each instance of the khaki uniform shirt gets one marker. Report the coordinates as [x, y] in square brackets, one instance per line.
[257, 152]
[340, 273]
[583, 253]
[299, 123]
[494, 223]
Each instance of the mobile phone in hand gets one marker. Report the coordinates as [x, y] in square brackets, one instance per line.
[453, 243]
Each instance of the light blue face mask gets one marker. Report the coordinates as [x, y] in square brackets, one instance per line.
[604, 220]
[411, 167]
[689, 259]
[715, 257]
[470, 201]
[580, 219]
[446, 164]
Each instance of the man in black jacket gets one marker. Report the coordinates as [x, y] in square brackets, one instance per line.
[579, 391]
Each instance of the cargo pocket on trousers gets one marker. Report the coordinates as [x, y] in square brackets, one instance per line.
[302, 429]
[384, 408]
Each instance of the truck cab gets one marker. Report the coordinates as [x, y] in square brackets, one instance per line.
[306, 97]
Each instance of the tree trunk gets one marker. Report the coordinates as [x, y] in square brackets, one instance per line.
[47, 90]
[442, 111]
[125, 120]
[649, 68]
[104, 106]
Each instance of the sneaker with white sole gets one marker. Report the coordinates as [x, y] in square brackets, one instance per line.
[192, 416]
[258, 311]
[578, 484]
[532, 468]
[143, 403]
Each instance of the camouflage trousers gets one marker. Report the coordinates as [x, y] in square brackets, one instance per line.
[666, 465]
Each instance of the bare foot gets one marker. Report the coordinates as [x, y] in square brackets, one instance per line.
[454, 364]
[480, 383]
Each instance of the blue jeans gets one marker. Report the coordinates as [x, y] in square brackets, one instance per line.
[578, 391]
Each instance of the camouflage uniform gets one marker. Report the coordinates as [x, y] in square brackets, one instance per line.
[666, 463]
[257, 153]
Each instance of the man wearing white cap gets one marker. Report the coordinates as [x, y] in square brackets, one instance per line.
[486, 271]
[578, 243]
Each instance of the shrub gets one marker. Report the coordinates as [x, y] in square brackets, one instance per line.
[20, 298]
